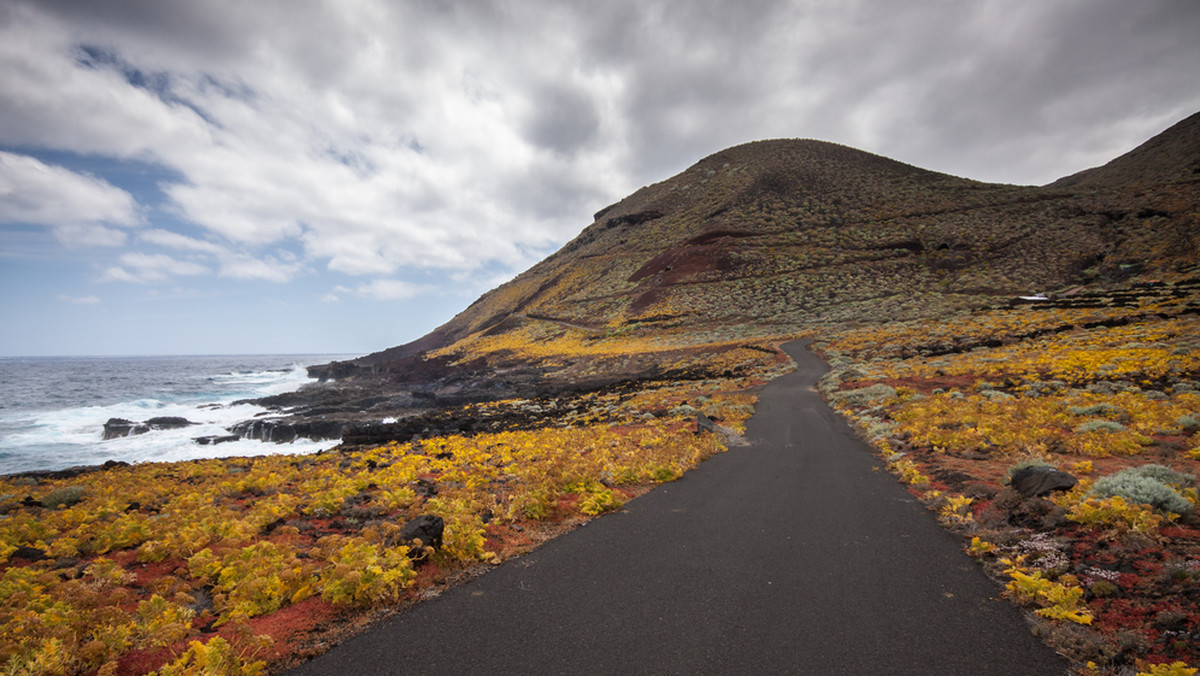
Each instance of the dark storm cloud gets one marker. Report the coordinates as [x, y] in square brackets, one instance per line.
[380, 136]
[197, 28]
[691, 73]
[564, 118]
[1064, 78]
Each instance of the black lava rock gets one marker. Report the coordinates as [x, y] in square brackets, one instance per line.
[1040, 480]
[426, 528]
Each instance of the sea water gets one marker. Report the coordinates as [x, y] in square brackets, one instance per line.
[53, 409]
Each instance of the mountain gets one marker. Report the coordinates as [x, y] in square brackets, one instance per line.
[778, 235]
[1170, 157]
[774, 238]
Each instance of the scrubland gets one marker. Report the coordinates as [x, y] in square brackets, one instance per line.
[237, 566]
[1109, 394]
[670, 304]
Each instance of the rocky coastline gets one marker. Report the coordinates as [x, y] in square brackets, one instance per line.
[362, 404]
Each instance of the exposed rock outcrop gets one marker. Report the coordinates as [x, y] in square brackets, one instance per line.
[287, 430]
[116, 428]
[1039, 480]
[424, 531]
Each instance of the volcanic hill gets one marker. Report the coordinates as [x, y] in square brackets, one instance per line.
[1026, 360]
[772, 239]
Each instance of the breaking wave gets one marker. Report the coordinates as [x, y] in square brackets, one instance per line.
[53, 410]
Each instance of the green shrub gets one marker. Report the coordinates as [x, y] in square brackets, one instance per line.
[1102, 409]
[1046, 387]
[64, 497]
[1110, 387]
[1164, 474]
[865, 395]
[1100, 426]
[880, 430]
[1142, 488]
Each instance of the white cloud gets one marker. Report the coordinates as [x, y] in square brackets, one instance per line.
[382, 136]
[119, 274]
[79, 208]
[320, 141]
[140, 267]
[382, 289]
[81, 234]
[241, 266]
[231, 262]
[174, 240]
[53, 101]
[78, 300]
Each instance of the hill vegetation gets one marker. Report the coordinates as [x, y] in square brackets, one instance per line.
[778, 238]
[1105, 397]
[580, 384]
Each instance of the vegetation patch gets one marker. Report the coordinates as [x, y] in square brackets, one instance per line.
[1111, 567]
[192, 567]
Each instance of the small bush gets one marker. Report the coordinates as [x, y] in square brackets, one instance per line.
[880, 430]
[1142, 488]
[1110, 387]
[1116, 512]
[215, 657]
[1039, 387]
[1100, 426]
[1031, 462]
[865, 395]
[63, 497]
[362, 573]
[599, 502]
[1101, 409]
[1164, 474]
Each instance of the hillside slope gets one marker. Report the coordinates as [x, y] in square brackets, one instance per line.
[773, 237]
[1170, 157]
[1059, 437]
[760, 242]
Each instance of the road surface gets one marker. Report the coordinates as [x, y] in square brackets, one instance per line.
[796, 554]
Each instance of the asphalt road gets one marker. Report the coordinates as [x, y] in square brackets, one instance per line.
[797, 554]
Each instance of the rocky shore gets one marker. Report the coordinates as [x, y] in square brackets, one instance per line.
[370, 401]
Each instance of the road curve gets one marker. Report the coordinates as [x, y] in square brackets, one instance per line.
[794, 555]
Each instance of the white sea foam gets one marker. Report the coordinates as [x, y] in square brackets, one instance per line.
[44, 438]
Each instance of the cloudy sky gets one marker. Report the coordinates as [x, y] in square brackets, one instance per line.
[221, 176]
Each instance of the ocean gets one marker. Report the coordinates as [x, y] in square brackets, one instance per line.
[53, 409]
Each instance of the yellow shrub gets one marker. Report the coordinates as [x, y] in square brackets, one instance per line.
[361, 573]
[215, 658]
[1172, 669]
[1116, 513]
[1059, 601]
[908, 472]
[957, 510]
